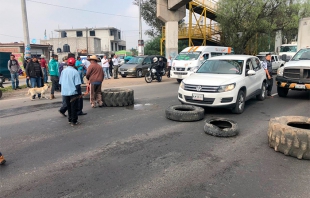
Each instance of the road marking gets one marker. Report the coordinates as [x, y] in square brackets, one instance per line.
[274, 94]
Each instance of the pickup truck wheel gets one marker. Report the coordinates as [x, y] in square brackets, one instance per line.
[240, 102]
[290, 135]
[179, 80]
[262, 94]
[221, 127]
[185, 113]
[282, 92]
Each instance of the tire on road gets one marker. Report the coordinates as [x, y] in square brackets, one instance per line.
[0, 93]
[185, 113]
[117, 97]
[290, 135]
[221, 127]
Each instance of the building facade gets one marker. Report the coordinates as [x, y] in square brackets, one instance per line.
[90, 40]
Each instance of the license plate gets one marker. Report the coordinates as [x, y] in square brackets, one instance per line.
[179, 76]
[300, 86]
[122, 72]
[198, 97]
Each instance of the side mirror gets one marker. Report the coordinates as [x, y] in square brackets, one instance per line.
[284, 57]
[251, 73]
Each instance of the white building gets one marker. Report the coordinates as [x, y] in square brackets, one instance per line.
[94, 40]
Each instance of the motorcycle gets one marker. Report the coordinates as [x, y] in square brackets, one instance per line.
[151, 75]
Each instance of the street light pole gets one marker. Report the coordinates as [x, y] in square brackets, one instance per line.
[87, 39]
[26, 30]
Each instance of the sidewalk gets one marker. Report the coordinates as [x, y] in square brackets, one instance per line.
[110, 83]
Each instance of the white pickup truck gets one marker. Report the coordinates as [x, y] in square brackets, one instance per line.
[275, 60]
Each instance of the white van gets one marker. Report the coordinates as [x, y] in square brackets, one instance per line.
[189, 59]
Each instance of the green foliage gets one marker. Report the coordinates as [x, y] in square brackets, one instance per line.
[242, 21]
[152, 47]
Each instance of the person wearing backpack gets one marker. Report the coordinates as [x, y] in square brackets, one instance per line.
[14, 68]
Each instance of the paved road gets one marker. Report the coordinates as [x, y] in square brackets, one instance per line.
[136, 152]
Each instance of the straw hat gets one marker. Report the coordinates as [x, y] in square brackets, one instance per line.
[93, 57]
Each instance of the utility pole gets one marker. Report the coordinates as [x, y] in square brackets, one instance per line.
[26, 30]
[140, 41]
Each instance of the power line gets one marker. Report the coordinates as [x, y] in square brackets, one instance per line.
[82, 9]
[10, 36]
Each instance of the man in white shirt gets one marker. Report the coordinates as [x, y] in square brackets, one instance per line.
[105, 66]
[115, 65]
[86, 62]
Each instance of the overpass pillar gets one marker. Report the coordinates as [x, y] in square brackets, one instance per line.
[171, 12]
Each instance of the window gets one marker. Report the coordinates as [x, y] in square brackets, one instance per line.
[205, 56]
[276, 57]
[147, 60]
[112, 46]
[119, 35]
[92, 33]
[111, 32]
[221, 67]
[115, 46]
[272, 59]
[213, 54]
[256, 64]
[248, 66]
[79, 34]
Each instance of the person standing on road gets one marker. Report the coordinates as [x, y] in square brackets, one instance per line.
[53, 68]
[111, 66]
[267, 65]
[80, 67]
[14, 68]
[95, 77]
[35, 74]
[105, 66]
[2, 160]
[115, 65]
[169, 62]
[70, 82]
[26, 62]
[44, 67]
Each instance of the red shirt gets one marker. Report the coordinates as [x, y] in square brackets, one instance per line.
[43, 63]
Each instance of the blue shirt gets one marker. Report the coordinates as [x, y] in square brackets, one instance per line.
[79, 65]
[69, 79]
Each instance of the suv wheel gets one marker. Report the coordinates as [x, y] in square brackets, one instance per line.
[240, 102]
[282, 92]
[124, 76]
[139, 73]
[262, 94]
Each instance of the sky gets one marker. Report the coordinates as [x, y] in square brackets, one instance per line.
[121, 14]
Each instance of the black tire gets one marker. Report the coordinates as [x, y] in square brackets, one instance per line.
[290, 135]
[282, 92]
[117, 97]
[139, 73]
[179, 80]
[221, 127]
[0, 93]
[124, 76]
[262, 95]
[185, 113]
[240, 102]
[160, 78]
[148, 78]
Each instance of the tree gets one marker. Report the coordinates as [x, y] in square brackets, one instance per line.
[242, 21]
[152, 47]
[148, 13]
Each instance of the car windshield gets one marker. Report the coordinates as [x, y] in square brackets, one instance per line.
[288, 48]
[303, 54]
[121, 57]
[135, 60]
[187, 56]
[221, 67]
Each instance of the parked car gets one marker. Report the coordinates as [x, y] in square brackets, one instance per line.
[225, 81]
[275, 61]
[137, 66]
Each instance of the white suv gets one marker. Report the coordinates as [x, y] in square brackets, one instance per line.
[225, 81]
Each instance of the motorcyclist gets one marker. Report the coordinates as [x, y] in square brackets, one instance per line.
[158, 65]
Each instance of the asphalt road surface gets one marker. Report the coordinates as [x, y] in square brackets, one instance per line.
[136, 152]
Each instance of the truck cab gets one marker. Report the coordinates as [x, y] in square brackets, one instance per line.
[189, 59]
